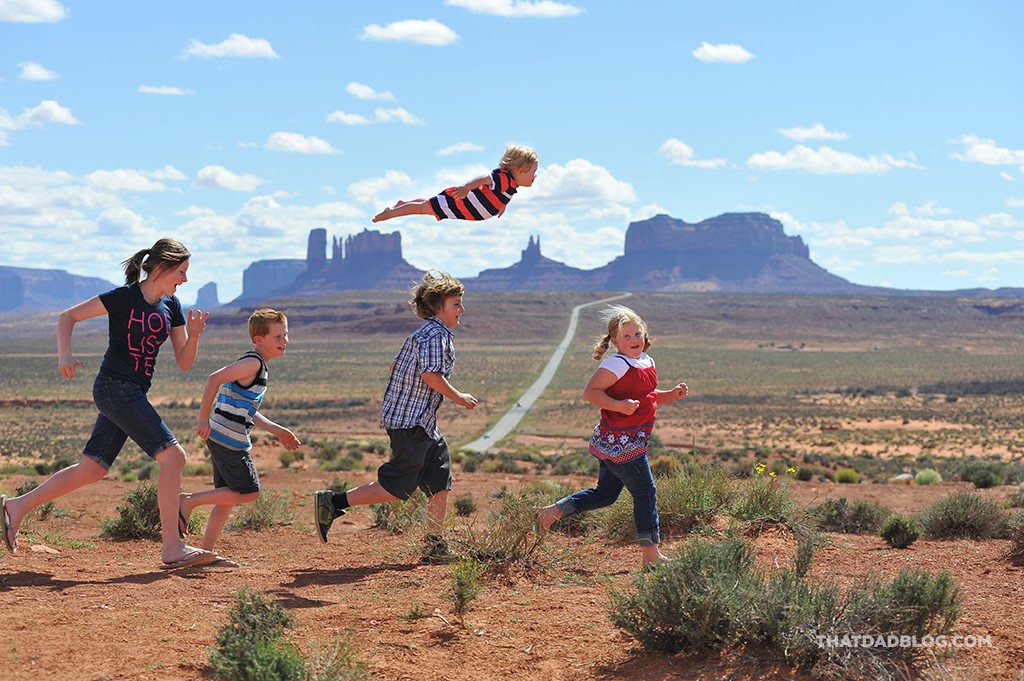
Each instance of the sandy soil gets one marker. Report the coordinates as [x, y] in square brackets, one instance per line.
[104, 611]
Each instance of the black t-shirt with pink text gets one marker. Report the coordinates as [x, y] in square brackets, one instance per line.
[137, 330]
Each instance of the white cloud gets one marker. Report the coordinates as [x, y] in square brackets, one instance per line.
[681, 154]
[815, 132]
[579, 182]
[825, 161]
[397, 114]
[459, 148]
[33, 71]
[985, 151]
[1015, 202]
[347, 118]
[724, 52]
[301, 144]
[366, 92]
[423, 32]
[126, 181]
[121, 222]
[518, 8]
[370, 189]
[168, 173]
[47, 111]
[220, 178]
[1006, 176]
[164, 90]
[236, 45]
[31, 11]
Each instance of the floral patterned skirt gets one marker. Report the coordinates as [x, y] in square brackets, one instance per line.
[620, 445]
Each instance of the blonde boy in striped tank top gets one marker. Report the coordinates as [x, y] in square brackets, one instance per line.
[228, 411]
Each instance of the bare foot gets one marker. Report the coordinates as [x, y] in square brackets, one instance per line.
[547, 516]
[11, 522]
[652, 557]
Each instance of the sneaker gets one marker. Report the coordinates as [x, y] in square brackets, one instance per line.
[323, 512]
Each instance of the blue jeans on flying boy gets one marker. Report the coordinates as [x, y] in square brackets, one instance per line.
[635, 476]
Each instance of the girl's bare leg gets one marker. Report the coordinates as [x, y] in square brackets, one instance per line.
[414, 207]
[651, 555]
[64, 481]
[168, 490]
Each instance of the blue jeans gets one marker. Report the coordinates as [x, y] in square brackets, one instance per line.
[125, 412]
[635, 476]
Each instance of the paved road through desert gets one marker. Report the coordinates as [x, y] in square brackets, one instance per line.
[507, 423]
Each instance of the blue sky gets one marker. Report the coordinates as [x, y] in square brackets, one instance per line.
[887, 135]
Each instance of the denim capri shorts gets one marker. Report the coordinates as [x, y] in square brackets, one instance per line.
[125, 412]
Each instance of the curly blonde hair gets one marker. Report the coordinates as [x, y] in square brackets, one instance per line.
[428, 296]
[615, 316]
[517, 156]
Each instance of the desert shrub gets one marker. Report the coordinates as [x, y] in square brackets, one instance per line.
[713, 595]
[338, 485]
[338, 661]
[505, 536]
[928, 476]
[467, 574]
[464, 505]
[964, 515]
[575, 464]
[900, 531]
[847, 476]
[765, 498]
[838, 515]
[137, 518]
[1016, 533]
[805, 474]
[689, 602]
[269, 510]
[398, 516]
[1016, 498]
[687, 499]
[983, 474]
[665, 465]
[252, 646]
[286, 458]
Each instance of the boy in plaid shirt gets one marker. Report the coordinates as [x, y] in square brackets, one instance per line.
[417, 385]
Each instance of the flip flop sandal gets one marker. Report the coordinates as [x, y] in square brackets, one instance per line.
[197, 557]
[6, 522]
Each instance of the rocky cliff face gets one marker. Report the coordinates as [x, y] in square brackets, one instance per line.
[734, 252]
[206, 298]
[24, 289]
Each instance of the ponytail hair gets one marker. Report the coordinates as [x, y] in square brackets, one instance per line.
[165, 254]
[615, 316]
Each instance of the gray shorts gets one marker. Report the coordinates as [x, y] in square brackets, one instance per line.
[417, 460]
[233, 469]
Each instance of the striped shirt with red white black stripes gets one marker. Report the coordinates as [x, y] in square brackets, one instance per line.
[484, 202]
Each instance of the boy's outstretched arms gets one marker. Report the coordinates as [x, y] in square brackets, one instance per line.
[287, 437]
[438, 382]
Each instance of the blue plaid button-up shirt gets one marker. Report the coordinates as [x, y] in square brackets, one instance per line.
[408, 400]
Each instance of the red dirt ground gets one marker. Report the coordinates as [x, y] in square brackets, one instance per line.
[107, 612]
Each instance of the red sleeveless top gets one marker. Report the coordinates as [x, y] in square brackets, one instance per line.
[623, 437]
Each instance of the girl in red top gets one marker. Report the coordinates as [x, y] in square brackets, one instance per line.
[479, 199]
[625, 388]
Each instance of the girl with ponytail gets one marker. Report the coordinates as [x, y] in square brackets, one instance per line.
[142, 315]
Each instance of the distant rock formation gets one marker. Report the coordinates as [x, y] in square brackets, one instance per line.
[734, 252]
[533, 272]
[737, 252]
[369, 260]
[207, 297]
[25, 289]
